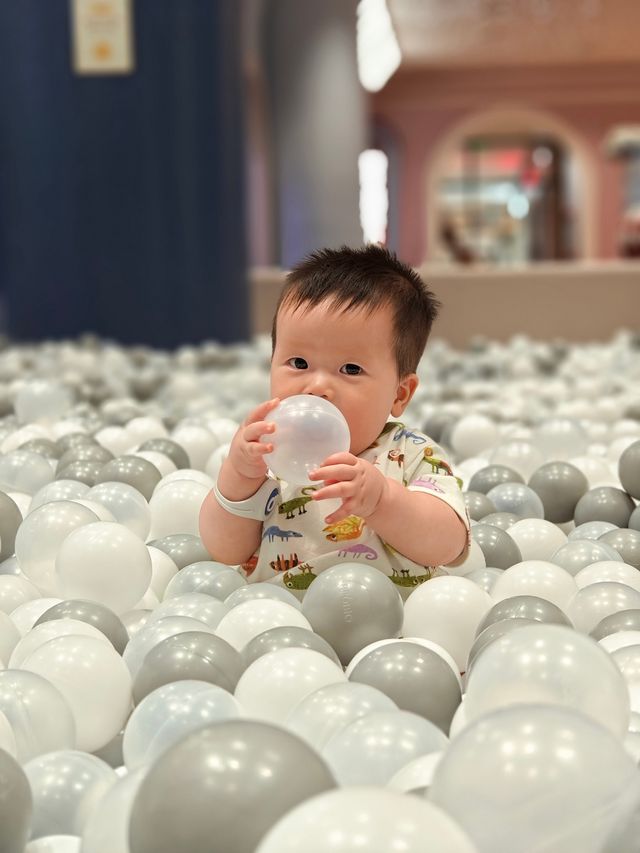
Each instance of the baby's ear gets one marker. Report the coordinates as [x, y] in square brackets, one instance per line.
[404, 393]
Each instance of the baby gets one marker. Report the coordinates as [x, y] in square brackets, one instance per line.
[350, 326]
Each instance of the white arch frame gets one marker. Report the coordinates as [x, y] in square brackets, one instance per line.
[519, 119]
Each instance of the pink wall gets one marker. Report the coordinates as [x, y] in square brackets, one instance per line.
[423, 105]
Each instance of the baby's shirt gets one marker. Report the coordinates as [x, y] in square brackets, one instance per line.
[297, 544]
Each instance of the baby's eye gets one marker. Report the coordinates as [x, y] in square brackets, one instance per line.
[298, 363]
[351, 369]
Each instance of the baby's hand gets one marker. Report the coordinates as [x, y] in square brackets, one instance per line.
[246, 451]
[358, 483]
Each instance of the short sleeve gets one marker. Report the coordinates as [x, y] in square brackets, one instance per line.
[432, 474]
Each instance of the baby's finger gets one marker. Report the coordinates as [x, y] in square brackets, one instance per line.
[343, 457]
[253, 431]
[342, 512]
[336, 490]
[333, 472]
[259, 413]
[255, 449]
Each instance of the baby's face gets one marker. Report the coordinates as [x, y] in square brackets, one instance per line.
[348, 359]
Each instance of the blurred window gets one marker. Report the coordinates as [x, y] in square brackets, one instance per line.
[507, 199]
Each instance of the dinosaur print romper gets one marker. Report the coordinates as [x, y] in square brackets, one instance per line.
[297, 544]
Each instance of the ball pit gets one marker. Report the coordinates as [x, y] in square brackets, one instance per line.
[151, 699]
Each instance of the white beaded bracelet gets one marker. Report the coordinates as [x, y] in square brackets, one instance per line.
[258, 506]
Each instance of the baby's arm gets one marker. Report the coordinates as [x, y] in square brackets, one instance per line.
[421, 526]
[230, 538]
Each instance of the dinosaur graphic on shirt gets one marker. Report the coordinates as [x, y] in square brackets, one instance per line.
[287, 508]
[271, 532]
[438, 465]
[359, 550]
[302, 579]
[350, 527]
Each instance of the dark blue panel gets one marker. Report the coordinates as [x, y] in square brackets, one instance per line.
[121, 197]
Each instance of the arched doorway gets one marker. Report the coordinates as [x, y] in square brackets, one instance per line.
[510, 185]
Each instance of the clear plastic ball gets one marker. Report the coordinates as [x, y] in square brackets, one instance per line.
[308, 430]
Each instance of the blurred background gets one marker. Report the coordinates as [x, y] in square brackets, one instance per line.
[164, 162]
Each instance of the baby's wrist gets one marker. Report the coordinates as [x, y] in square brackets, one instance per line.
[383, 502]
[234, 485]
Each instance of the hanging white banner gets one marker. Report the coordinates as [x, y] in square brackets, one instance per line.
[102, 36]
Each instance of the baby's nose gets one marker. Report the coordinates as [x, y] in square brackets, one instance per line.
[319, 385]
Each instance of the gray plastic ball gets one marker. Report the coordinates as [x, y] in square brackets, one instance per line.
[623, 620]
[591, 530]
[416, 678]
[351, 605]
[503, 520]
[493, 475]
[559, 485]
[206, 577]
[44, 446]
[478, 505]
[626, 542]
[192, 656]
[74, 439]
[83, 470]
[84, 453]
[575, 554]
[93, 613]
[634, 519]
[524, 607]
[183, 548]
[517, 498]
[16, 805]
[10, 521]
[137, 472]
[176, 453]
[629, 469]
[222, 787]
[499, 549]
[283, 637]
[604, 503]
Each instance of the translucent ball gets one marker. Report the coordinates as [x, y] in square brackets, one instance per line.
[152, 632]
[516, 498]
[107, 827]
[24, 471]
[40, 537]
[168, 713]
[551, 664]
[46, 631]
[326, 711]
[93, 679]
[40, 717]
[66, 787]
[371, 749]
[127, 505]
[536, 777]
[308, 430]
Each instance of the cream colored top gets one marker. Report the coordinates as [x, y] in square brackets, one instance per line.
[297, 544]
